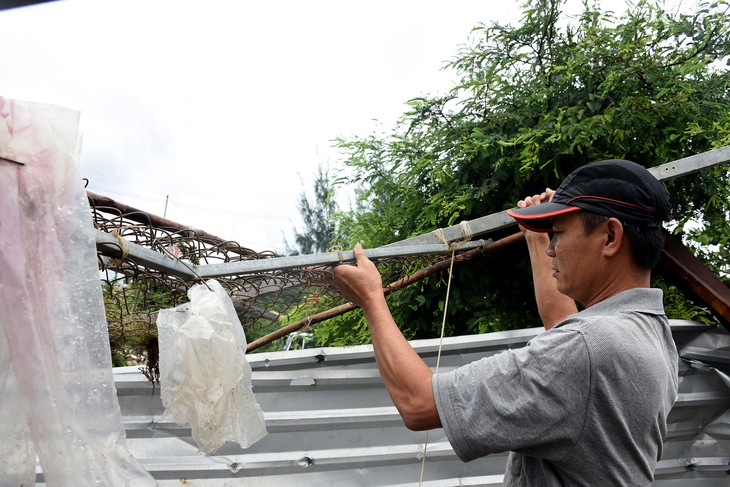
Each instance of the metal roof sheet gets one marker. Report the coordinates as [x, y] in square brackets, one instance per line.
[331, 421]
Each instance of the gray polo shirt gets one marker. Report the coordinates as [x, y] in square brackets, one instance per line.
[584, 403]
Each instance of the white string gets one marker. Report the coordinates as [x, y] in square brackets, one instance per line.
[467, 230]
[438, 355]
[123, 249]
[440, 236]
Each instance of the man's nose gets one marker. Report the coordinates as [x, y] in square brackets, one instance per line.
[550, 249]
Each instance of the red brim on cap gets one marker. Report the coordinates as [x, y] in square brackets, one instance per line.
[537, 217]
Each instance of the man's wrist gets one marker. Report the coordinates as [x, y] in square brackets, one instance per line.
[536, 237]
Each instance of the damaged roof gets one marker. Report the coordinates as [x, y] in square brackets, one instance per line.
[331, 421]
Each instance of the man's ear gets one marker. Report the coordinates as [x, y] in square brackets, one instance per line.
[614, 237]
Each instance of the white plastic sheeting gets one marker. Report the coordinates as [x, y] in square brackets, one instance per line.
[58, 399]
[204, 374]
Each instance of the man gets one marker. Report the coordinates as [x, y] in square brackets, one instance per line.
[585, 402]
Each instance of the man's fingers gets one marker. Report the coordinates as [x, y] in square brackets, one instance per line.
[360, 256]
[549, 193]
[529, 201]
[536, 199]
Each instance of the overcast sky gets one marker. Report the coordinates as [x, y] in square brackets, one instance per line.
[224, 106]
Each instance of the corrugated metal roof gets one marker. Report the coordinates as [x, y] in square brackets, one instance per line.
[331, 422]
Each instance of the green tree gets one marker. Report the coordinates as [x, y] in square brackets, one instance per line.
[533, 102]
[318, 216]
[320, 234]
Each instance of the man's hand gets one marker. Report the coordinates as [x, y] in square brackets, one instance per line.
[536, 199]
[360, 284]
[406, 376]
[551, 304]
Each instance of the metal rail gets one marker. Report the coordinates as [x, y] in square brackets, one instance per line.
[426, 244]
[501, 220]
[110, 245]
[326, 259]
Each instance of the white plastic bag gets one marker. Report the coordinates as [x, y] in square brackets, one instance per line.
[57, 396]
[204, 375]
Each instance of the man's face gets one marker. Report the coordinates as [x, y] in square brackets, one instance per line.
[576, 258]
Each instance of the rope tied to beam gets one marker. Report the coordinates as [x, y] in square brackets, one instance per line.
[340, 255]
[468, 234]
[440, 235]
[465, 229]
[123, 249]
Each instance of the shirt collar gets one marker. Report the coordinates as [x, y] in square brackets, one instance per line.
[642, 300]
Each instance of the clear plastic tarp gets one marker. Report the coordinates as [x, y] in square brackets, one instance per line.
[58, 402]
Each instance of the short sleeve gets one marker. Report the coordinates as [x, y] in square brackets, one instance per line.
[532, 400]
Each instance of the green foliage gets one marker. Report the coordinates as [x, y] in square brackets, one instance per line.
[131, 313]
[533, 102]
[318, 217]
[348, 329]
[678, 306]
[706, 222]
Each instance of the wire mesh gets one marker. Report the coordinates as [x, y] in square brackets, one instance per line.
[265, 302]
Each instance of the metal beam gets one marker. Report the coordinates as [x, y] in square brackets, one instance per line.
[478, 227]
[501, 220]
[694, 277]
[325, 259]
[112, 246]
[426, 244]
[691, 164]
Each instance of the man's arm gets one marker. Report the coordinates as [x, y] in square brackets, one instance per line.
[407, 378]
[552, 305]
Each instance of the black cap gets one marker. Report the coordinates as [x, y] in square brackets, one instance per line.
[612, 188]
